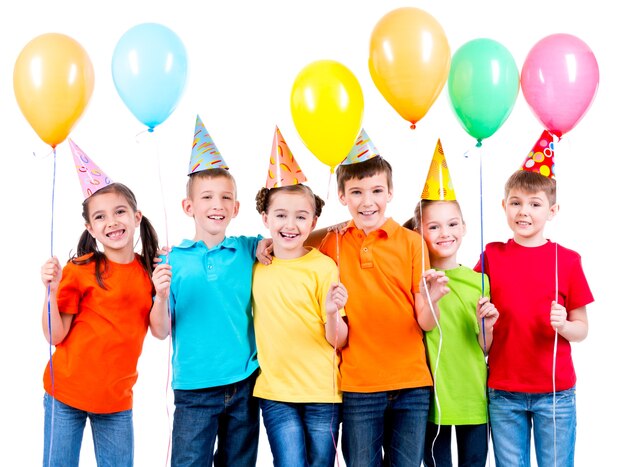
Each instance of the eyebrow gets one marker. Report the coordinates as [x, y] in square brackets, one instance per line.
[114, 208]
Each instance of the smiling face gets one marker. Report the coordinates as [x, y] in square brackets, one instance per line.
[527, 214]
[212, 203]
[290, 218]
[367, 200]
[442, 228]
[112, 222]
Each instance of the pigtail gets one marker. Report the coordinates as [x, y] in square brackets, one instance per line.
[319, 204]
[149, 244]
[262, 198]
[87, 246]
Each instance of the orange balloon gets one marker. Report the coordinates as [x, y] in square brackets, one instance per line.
[53, 82]
[409, 61]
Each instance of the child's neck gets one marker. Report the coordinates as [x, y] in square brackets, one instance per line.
[444, 263]
[530, 242]
[210, 240]
[121, 256]
[292, 253]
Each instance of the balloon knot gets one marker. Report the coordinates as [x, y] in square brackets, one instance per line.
[412, 126]
[479, 143]
[151, 130]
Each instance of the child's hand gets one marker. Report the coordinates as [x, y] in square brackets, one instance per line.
[436, 282]
[558, 316]
[162, 279]
[51, 273]
[264, 251]
[487, 310]
[336, 298]
[164, 250]
[338, 228]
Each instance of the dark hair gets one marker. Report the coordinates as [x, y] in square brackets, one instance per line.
[87, 244]
[531, 182]
[361, 170]
[208, 174]
[416, 222]
[264, 197]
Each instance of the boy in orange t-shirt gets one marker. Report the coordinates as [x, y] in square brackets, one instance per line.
[386, 382]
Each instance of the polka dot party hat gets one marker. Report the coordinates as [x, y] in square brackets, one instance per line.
[540, 159]
[438, 186]
[362, 150]
[204, 153]
[89, 174]
[283, 169]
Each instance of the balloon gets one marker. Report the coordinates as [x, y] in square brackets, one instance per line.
[409, 61]
[483, 85]
[53, 81]
[149, 70]
[327, 109]
[559, 81]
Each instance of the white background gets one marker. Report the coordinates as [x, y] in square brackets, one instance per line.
[243, 58]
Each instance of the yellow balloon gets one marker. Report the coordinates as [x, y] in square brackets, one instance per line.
[327, 109]
[53, 81]
[409, 61]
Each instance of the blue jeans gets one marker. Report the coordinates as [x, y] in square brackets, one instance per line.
[514, 414]
[227, 413]
[471, 442]
[63, 434]
[301, 434]
[391, 421]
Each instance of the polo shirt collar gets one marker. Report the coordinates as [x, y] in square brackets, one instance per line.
[228, 242]
[388, 228]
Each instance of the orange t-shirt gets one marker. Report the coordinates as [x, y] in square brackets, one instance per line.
[382, 273]
[95, 367]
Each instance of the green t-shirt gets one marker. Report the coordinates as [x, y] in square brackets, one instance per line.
[456, 361]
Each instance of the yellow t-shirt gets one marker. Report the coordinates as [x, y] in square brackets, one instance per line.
[288, 303]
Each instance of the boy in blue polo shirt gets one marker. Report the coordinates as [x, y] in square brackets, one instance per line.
[208, 281]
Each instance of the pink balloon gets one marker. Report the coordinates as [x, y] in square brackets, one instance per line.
[559, 80]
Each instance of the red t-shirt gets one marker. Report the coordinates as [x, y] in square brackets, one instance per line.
[95, 367]
[523, 286]
[382, 272]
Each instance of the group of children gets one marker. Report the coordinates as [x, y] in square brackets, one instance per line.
[371, 326]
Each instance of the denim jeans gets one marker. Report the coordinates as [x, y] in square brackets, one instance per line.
[514, 414]
[63, 435]
[471, 442]
[301, 434]
[227, 413]
[393, 422]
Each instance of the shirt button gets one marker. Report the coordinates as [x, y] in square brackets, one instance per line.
[211, 267]
[365, 249]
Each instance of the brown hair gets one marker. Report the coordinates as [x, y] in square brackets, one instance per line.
[87, 244]
[209, 174]
[264, 197]
[531, 182]
[415, 222]
[361, 170]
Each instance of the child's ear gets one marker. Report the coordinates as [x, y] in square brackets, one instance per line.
[264, 219]
[90, 230]
[342, 198]
[314, 222]
[236, 209]
[554, 209]
[187, 207]
[138, 217]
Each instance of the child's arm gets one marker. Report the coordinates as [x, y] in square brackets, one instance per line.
[573, 329]
[316, 237]
[436, 288]
[159, 315]
[60, 323]
[487, 311]
[336, 327]
[264, 251]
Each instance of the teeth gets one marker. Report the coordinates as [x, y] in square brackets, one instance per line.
[289, 235]
[367, 213]
[116, 234]
[218, 218]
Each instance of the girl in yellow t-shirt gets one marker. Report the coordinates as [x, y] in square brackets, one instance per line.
[298, 308]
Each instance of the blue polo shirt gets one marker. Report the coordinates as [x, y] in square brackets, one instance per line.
[210, 304]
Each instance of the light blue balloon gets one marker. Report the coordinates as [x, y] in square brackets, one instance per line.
[149, 70]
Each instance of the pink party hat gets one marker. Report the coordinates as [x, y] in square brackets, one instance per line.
[540, 159]
[362, 150]
[89, 174]
[283, 169]
[438, 186]
[204, 153]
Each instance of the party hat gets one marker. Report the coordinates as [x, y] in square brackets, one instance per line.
[204, 153]
[438, 186]
[540, 159]
[89, 174]
[362, 150]
[283, 169]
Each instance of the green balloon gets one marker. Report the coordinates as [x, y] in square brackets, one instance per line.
[483, 85]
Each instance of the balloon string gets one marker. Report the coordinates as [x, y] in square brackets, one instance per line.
[51, 367]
